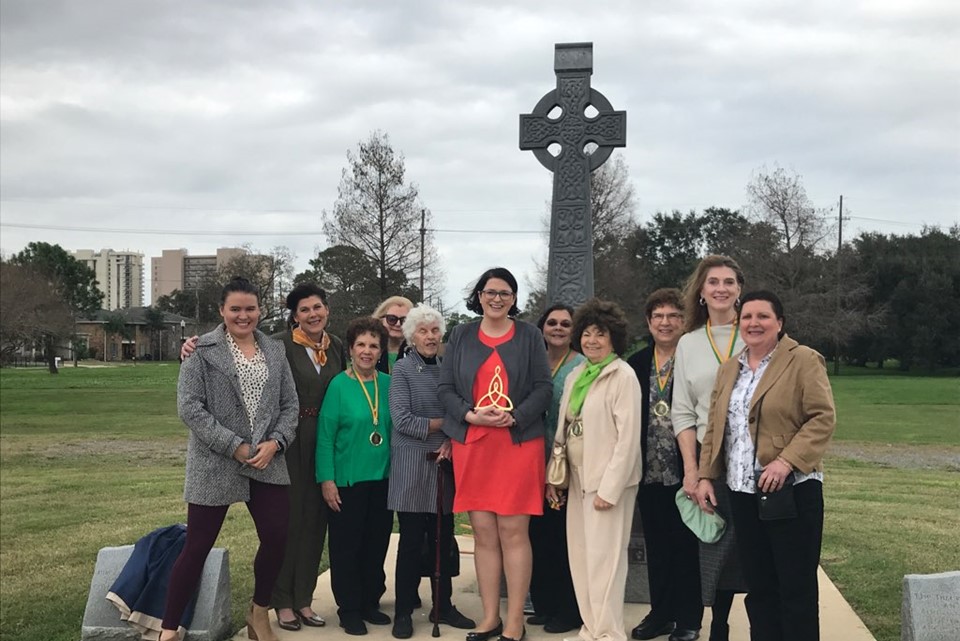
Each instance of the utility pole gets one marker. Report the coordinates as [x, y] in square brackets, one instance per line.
[423, 240]
[836, 337]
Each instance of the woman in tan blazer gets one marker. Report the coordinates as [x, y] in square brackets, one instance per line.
[600, 421]
[771, 417]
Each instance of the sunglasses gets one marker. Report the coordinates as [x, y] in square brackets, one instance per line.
[393, 319]
[553, 322]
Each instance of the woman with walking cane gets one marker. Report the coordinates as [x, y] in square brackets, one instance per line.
[421, 479]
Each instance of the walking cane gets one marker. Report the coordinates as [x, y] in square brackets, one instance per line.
[436, 567]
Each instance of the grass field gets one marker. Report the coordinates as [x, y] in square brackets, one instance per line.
[95, 457]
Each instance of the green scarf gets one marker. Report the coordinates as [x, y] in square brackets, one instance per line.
[582, 385]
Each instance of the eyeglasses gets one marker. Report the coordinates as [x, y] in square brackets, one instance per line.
[553, 322]
[490, 294]
[672, 316]
[393, 319]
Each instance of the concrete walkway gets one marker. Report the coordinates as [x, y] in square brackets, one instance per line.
[838, 621]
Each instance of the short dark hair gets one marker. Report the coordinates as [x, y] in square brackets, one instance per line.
[365, 325]
[775, 303]
[238, 284]
[607, 316]
[553, 308]
[663, 296]
[473, 299]
[305, 290]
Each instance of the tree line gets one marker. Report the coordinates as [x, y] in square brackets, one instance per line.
[877, 297]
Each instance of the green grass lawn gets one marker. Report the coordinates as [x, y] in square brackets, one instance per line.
[95, 457]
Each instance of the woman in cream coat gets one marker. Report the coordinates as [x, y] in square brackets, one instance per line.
[600, 420]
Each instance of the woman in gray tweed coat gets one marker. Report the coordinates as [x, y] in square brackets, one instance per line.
[237, 397]
[416, 445]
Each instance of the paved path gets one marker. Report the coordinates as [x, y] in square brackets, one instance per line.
[838, 621]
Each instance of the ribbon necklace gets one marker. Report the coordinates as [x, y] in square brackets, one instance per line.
[373, 404]
[713, 345]
[661, 408]
[560, 364]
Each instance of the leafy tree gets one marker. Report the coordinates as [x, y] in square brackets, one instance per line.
[30, 309]
[378, 213]
[352, 284]
[155, 325]
[73, 282]
[202, 304]
[115, 325]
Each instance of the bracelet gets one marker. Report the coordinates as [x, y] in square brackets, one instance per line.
[785, 462]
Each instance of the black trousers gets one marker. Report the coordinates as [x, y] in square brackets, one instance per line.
[415, 528]
[780, 560]
[359, 538]
[551, 587]
[673, 566]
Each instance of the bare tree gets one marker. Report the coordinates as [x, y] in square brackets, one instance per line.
[379, 213]
[780, 199]
[271, 273]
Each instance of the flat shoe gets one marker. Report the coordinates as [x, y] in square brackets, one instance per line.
[648, 629]
[292, 625]
[684, 634]
[315, 621]
[559, 626]
[523, 635]
[353, 625]
[483, 636]
[537, 619]
[455, 619]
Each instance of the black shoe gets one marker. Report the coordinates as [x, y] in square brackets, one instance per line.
[557, 625]
[523, 635]
[376, 617]
[651, 629]
[455, 619]
[538, 619]
[293, 624]
[353, 624]
[402, 626]
[684, 634]
[483, 636]
[315, 621]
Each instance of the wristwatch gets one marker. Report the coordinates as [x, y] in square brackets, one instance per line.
[279, 445]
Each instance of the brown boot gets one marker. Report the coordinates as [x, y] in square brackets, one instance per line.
[258, 623]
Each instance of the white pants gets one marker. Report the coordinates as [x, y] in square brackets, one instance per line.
[597, 541]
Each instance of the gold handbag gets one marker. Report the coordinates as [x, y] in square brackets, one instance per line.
[558, 469]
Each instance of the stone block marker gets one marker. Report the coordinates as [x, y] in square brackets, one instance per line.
[211, 619]
[931, 607]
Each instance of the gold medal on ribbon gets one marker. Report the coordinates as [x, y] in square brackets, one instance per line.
[375, 438]
[661, 409]
[495, 395]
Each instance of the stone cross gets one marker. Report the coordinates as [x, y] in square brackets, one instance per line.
[571, 144]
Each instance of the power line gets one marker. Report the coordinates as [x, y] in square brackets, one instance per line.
[223, 232]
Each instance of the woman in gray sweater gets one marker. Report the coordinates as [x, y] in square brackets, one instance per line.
[237, 397]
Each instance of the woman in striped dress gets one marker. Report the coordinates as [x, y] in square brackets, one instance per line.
[416, 443]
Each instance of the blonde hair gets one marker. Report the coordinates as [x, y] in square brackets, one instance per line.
[390, 302]
[696, 314]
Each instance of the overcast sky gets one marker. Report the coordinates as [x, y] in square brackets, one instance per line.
[234, 117]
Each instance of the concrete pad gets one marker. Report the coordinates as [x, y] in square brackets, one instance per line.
[838, 621]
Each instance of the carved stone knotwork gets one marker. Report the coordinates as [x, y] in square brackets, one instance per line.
[570, 267]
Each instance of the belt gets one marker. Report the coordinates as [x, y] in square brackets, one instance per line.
[309, 411]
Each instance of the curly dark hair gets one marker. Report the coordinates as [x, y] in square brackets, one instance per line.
[664, 296]
[607, 316]
[473, 300]
[365, 325]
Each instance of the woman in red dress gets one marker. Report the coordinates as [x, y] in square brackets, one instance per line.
[495, 386]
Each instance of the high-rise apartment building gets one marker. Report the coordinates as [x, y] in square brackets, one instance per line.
[119, 276]
[176, 269]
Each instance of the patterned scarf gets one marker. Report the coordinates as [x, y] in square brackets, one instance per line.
[319, 349]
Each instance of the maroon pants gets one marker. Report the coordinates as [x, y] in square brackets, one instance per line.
[269, 505]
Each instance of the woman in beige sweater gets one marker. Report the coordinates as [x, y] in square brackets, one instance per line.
[600, 421]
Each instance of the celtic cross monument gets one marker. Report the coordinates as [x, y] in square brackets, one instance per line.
[571, 140]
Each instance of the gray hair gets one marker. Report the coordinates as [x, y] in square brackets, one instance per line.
[422, 314]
